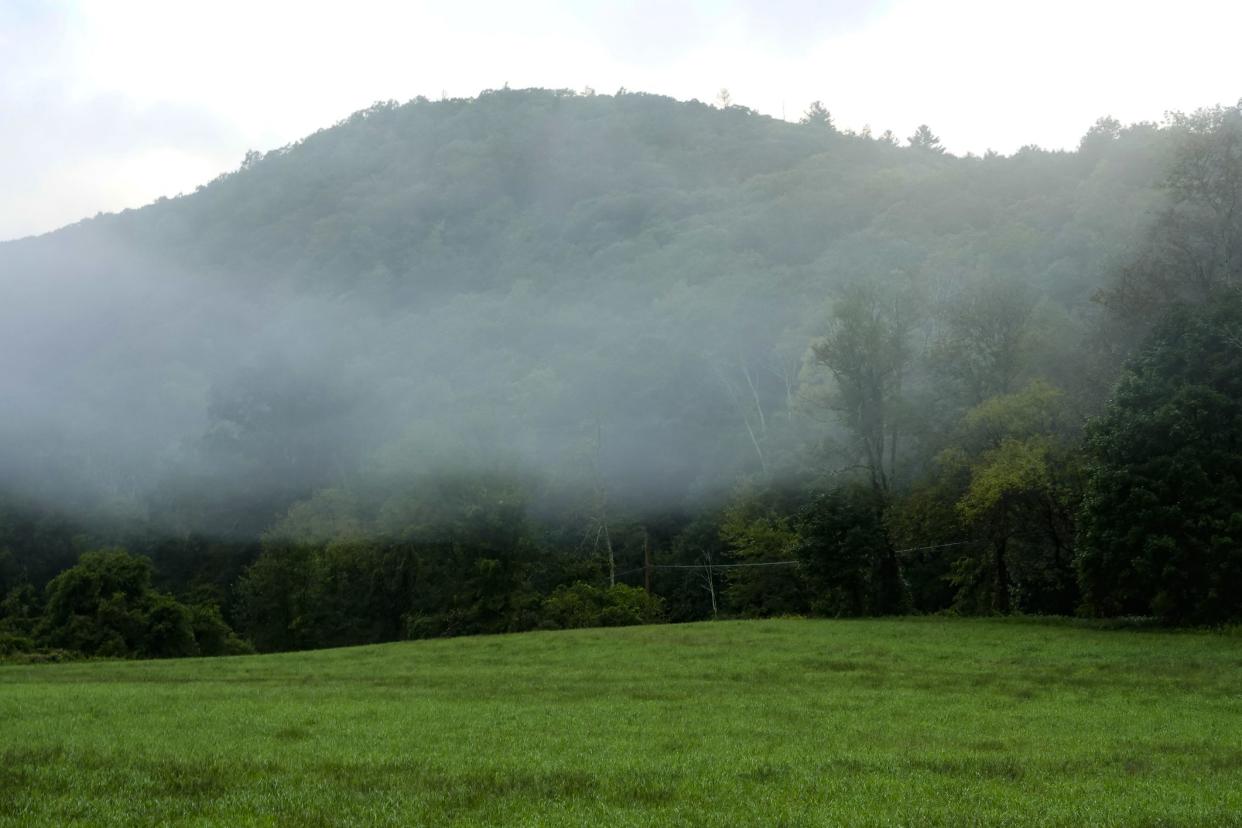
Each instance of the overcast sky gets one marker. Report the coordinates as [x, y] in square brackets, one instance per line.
[107, 104]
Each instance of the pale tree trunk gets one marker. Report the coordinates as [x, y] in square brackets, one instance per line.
[612, 561]
[709, 582]
[601, 508]
[745, 409]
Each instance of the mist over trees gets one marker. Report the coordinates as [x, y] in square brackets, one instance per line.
[490, 364]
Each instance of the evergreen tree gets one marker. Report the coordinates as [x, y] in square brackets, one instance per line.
[924, 139]
[817, 115]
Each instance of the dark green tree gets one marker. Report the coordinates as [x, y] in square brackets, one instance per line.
[105, 606]
[758, 527]
[19, 614]
[1161, 522]
[849, 565]
[1017, 483]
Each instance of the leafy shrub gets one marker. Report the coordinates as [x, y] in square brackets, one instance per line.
[11, 644]
[213, 635]
[584, 605]
[105, 606]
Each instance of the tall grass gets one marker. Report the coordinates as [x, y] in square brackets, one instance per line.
[901, 722]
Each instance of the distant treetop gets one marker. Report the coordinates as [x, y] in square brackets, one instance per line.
[924, 139]
[817, 115]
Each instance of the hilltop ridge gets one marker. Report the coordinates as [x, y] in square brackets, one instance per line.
[513, 273]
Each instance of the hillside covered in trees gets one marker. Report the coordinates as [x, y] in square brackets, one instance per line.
[478, 364]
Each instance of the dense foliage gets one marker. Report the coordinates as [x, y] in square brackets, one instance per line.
[1162, 516]
[105, 606]
[486, 365]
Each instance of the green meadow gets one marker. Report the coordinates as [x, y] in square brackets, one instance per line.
[783, 722]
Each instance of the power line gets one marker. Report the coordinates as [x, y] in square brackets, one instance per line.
[711, 566]
[935, 546]
[783, 563]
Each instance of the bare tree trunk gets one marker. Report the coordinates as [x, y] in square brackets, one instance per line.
[612, 561]
[742, 409]
[647, 563]
[754, 395]
[601, 506]
[709, 579]
[763, 461]
[787, 378]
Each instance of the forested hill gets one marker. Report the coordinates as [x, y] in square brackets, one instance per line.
[472, 365]
[606, 287]
[614, 290]
[442, 198]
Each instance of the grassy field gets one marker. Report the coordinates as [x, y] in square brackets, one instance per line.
[902, 722]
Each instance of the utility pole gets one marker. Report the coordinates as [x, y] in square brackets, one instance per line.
[647, 562]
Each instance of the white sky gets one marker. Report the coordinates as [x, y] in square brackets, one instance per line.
[107, 104]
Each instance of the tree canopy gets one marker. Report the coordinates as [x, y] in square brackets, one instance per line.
[1162, 515]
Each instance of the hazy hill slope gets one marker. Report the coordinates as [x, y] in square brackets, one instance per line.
[517, 275]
